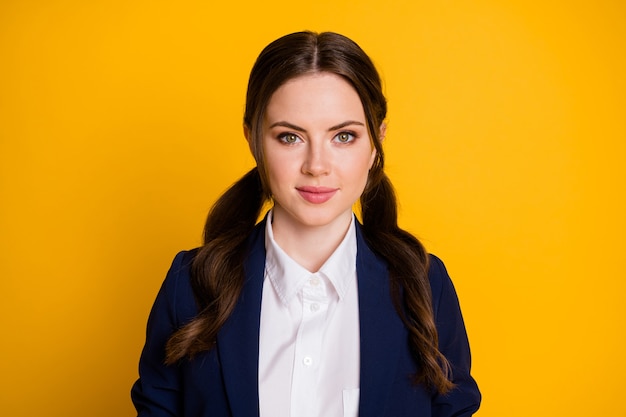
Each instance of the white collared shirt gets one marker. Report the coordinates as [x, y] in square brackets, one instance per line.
[309, 351]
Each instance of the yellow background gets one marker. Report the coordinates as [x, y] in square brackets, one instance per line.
[120, 123]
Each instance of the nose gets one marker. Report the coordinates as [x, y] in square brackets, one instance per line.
[316, 161]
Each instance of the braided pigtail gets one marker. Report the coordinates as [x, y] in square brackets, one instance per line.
[217, 270]
[408, 271]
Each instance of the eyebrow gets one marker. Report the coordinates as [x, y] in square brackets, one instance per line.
[301, 129]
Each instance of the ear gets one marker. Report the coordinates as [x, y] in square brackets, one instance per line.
[246, 133]
[381, 137]
[383, 131]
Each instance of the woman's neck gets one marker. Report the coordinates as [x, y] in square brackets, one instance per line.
[310, 246]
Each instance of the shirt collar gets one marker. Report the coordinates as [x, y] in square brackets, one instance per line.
[288, 277]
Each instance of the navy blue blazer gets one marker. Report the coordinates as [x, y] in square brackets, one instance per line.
[224, 381]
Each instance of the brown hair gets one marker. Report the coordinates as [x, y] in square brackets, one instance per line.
[217, 270]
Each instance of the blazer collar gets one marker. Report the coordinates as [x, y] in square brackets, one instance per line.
[382, 332]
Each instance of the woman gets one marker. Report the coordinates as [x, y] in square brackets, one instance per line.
[308, 312]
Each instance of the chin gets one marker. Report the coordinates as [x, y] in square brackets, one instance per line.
[312, 219]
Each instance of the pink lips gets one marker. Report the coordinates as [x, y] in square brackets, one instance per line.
[316, 195]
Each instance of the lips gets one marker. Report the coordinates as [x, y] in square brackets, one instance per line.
[316, 195]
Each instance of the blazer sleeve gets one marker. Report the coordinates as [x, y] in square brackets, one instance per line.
[464, 399]
[157, 392]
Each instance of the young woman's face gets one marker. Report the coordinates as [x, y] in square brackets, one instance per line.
[317, 151]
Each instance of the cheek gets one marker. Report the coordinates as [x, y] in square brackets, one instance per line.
[356, 171]
[279, 171]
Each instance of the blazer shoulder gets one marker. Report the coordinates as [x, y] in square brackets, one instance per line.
[177, 289]
[437, 273]
[441, 285]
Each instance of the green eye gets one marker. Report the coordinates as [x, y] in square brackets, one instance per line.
[344, 137]
[289, 138]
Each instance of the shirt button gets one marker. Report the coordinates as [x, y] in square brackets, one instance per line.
[315, 282]
[307, 361]
[314, 307]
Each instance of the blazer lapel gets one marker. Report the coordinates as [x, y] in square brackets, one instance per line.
[382, 331]
[238, 339]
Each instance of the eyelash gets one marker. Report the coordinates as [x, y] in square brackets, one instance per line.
[283, 137]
